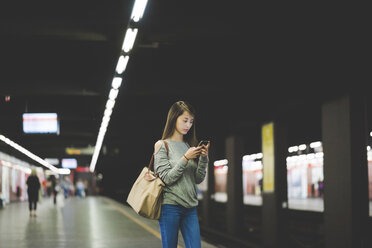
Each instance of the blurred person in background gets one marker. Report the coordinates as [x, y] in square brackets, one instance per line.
[80, 188]
[66, 186]
[54, 188]
[86, 185]
[33, 187]
[49, 187]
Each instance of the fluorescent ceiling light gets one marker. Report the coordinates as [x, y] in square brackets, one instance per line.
[116, 82]
[315, 144]
[113, 94]
[52, 161]
[63, 171]
[28, 153]
[122, 64]
[107, 112]
[106, 119]
[110, 104]
[302, 147]
[95, 156]
[104, 125]
[293, 149]
[130, 37]
[138, 9]
[221, 162]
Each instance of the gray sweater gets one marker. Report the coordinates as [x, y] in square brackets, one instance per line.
[180, 177]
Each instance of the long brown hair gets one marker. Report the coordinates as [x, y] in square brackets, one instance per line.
[177, 109]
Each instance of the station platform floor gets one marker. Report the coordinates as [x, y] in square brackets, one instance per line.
[90, 222]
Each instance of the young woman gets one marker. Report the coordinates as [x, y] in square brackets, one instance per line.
[181, 170]
[33, 187]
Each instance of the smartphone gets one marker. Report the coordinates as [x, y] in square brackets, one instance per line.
[203, 142]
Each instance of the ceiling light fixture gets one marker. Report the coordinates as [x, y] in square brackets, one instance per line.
[32, 156]
[138, 9]
[122, 64]
[113, 94]
[130, 36]
[116, 83]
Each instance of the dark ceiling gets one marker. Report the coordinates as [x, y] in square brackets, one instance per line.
[238, 62]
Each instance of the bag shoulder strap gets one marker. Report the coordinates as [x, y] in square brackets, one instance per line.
[152, 157]
[166, 146]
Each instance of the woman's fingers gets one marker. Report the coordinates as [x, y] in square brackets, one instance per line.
[194, 152]
[207, 146]
[205, 149]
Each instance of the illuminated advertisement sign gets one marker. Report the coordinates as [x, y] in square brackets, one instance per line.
[40, 123]
[69, 163]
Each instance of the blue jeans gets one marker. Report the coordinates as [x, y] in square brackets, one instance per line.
[174, 218]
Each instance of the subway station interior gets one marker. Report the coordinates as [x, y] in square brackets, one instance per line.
[278, 89]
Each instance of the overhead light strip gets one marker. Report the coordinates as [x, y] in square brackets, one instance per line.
[33, 156]
[129, 39]
[138, 9]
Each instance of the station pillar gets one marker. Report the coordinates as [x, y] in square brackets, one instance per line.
[234, 185]
[274, 197]
[344, 137]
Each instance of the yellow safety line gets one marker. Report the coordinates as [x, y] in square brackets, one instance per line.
[146, 227]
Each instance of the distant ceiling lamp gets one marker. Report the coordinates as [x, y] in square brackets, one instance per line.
[302, 147]
[221, 162]
[293, 149]
[29, 154]
[130, 37]
[100, 138]
[104, 125]
[110, 104]
[116, 82]
[138, 9]
[122, 64]
[102, 129]
[107, 112]
[64, 171]
[105, 119]
[113, 94]
[96, 152]
[315, 144]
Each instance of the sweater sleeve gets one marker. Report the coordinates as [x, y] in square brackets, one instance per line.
[163, 168]
[201, 169]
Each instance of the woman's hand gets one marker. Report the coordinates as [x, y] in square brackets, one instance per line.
[193, 152]
[205, 149]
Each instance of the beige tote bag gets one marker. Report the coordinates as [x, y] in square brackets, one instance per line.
[145, 197]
